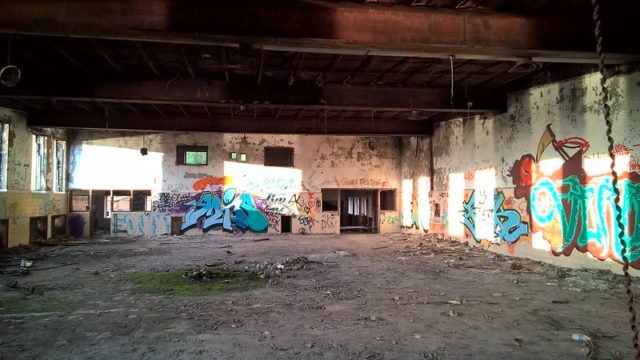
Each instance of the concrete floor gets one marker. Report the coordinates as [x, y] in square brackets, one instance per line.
[358, 297]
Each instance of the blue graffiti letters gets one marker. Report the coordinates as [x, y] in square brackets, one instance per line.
[507, 224]
[228, 210]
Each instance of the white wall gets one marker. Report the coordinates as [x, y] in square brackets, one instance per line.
[475, 156]
[109, 160]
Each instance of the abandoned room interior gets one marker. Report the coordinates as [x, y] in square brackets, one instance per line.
[323, 179]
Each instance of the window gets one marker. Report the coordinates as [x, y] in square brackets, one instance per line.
[4, 155]
[278, 156]
[121, 200]
[141, 200]
[191, 155]
[40, 163]
[80, 200]
[388, 200]
[59, 168]
[330, 199]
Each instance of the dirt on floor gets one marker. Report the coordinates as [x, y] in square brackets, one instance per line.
[301, 297]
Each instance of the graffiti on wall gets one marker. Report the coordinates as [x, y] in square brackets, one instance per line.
[230, 210]
[363, 182]
[212, 183]
[438, 207]
[486, 218]
[173, 203]
[573, 208]
[309, 207]
[329, 222]
[140, 223]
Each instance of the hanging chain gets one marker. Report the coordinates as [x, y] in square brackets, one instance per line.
[614, 173]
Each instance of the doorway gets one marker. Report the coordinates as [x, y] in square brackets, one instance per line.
[359, 211]
[101, 212]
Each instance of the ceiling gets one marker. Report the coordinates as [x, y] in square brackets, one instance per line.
[372, 67]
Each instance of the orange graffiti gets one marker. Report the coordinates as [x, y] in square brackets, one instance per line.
[211, 181]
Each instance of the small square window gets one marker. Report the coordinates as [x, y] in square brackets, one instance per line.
[243, 157]
[278, 156]
[233, 155]
[192, 155]
[80, 200]
[388, 200]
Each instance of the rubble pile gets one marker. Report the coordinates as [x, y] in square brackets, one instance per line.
[273, 269]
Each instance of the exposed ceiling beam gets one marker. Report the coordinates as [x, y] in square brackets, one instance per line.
[187, 62]
[312, 97]
[325, 27]
[260, 124]
[108, 58]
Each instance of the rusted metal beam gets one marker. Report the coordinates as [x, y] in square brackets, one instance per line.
[156, 108]
[319, 26]
[107, 58]
[148, 60]
[309, 95]
[69, 58]
[187, 62]
[261, 124]
[132, 108]
[184, 112]
[368, 60]
[263, 55]
[83, 106]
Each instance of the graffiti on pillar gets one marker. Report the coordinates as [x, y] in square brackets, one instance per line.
[486, 218]
[573, 208]
[229, 210]
[309, 207]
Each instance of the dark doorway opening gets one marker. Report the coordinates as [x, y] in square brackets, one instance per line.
[285, 222]
[58, 225]
[4, 233]
[101, 211]
[359, 211]
[176, 223]
[38, 229]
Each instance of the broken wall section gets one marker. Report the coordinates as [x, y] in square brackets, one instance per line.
[535, 181]
[25, 211]
[197, 197]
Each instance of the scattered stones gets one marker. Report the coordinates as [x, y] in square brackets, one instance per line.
[267, 270]
[344, 253]
[516, 265]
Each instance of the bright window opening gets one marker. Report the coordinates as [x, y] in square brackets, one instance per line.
[4, 155]
[40, 163]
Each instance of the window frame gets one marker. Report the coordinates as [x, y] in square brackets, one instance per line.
[270, 162]
[4, 155]
[59, 175]
[182, 150]
[40, 163]
[394, 193]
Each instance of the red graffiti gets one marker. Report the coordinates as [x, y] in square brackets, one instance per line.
[621, 149]
[212, 181]
[522, 174]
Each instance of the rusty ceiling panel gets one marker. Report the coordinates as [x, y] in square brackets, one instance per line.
[315, 26]
[262, 124]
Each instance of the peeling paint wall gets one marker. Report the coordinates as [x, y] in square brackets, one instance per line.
[111, 160]
[416, 174]
[18, 203]
[535, 180]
